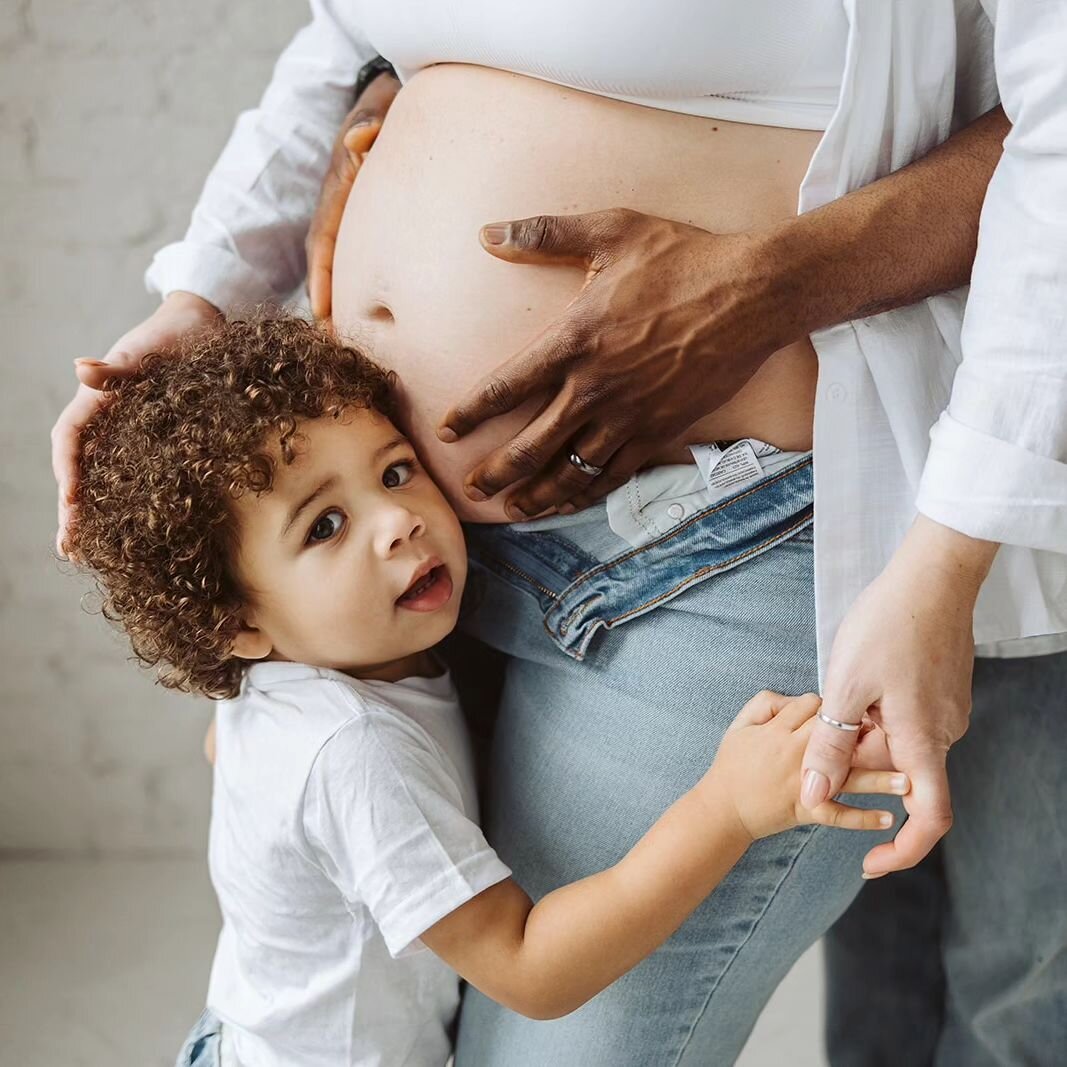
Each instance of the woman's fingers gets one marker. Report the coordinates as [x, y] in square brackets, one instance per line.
[66, 435]
[929, 807]
[354, 140]
[830, 813]
[845, 817]
[322, 234]
[96, 373]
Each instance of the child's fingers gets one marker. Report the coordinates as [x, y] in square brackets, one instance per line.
[799, 710]
[830, 813]
[760, 709]
[861, 780]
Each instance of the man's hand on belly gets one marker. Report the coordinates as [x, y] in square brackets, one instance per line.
[671, 323]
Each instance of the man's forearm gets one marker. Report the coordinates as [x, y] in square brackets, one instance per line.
[904, 237]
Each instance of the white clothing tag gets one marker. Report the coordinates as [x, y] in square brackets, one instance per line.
[720, 470]
[705, 457]
[762, 449]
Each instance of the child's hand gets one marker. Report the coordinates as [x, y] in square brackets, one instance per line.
[758, 769]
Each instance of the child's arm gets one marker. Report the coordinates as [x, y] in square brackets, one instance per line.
[548, 959]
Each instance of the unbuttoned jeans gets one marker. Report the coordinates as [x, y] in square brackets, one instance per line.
[624, 667]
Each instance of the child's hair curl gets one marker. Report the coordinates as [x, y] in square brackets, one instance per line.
[162, 460]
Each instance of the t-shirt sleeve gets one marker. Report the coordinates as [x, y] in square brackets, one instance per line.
[386, 820]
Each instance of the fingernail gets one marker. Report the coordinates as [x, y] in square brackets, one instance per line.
[871, 877]
[566, 509]
[496, 234]
[447, 434]
[885, 820]
[816, 789]
[474, 493]
[516, 513]
[92, 362]
[899, 783]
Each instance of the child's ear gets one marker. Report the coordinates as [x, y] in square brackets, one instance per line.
[251, 643]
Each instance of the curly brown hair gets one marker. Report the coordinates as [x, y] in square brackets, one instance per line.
[162, 460]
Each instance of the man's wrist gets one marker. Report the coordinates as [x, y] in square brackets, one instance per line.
[799, 260]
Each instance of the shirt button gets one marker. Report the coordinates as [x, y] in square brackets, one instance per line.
[676, 511]
[837, 391]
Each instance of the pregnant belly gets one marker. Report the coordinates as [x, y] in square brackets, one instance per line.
[463, 146]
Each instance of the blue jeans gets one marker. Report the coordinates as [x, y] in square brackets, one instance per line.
[624, 668]
[201, 1048]
[966, 955]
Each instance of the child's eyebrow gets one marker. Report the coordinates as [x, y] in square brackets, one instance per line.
[309, 499]
[293, 515]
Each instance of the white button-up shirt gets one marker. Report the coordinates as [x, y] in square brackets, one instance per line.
[992, 385]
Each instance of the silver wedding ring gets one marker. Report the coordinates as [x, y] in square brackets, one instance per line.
[586, 468]
[851, 727]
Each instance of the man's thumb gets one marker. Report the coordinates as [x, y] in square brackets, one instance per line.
[568, 239]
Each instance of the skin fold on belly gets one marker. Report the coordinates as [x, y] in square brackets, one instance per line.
[463, 146]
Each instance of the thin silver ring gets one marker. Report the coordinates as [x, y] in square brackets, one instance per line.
[850, 727]
[586, 468]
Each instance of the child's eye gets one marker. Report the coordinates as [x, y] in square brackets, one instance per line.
[393, 480]
[326, 527]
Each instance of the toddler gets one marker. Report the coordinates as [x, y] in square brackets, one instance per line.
[264, 533]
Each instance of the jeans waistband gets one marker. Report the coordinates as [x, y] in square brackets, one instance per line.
[587, 578]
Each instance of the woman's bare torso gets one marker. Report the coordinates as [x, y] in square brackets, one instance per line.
[463, 146]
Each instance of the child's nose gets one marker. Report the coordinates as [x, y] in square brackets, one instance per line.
[399, 525]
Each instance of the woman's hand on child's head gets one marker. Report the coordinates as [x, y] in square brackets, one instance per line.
[180, 313]
[758, 766]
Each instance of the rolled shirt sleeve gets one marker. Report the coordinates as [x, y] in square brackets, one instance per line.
[245, 242]
[997, 467]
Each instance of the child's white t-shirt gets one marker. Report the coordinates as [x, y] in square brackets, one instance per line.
[344, 824]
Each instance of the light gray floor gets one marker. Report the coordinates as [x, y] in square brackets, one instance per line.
[105, 963]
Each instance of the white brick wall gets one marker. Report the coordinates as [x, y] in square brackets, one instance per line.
[111, 112]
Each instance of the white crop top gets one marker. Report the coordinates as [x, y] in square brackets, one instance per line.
[767, 62]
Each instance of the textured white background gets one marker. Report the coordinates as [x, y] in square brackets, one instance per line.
[111, 113]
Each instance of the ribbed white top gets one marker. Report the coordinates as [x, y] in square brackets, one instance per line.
[768, 62]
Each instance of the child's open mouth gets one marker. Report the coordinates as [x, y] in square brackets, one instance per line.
[429, 592]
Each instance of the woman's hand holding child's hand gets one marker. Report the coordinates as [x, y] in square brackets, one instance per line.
[758, 769]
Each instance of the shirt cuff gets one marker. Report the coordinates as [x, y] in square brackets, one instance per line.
[215, 274]
[992, 489]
